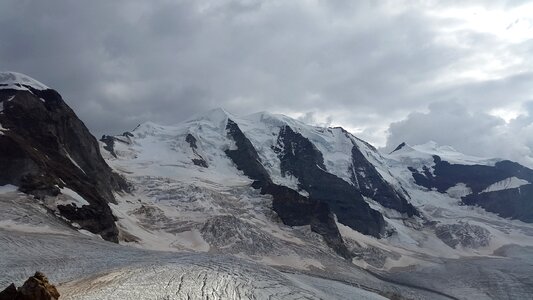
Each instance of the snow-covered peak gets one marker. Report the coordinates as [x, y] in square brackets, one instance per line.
[434, 148]
[276, 120]
[425, 152]
[262, 129]
[18, 81]
[152, 129]
[430, 147]
[215, 120]
[217, 116]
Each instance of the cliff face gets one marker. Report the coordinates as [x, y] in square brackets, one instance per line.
[45, 149]
[504, 188]
[325, 190]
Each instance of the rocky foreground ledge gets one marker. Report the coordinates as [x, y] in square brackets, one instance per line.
[36, 287]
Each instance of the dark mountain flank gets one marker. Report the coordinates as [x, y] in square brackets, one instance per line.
[514, 203]
[44, 147]
[300, 158]
[293, 208]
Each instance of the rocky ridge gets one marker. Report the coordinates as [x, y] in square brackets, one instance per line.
[46, 150]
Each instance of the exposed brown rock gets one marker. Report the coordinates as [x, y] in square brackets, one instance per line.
[36, 287]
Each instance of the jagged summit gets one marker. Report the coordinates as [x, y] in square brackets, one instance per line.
[400, 147]
[431, 147]
[217, 116]
[19, 81]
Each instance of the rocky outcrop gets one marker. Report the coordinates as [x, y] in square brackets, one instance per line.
[36, 287]
[477, 177]
[300, 158]
[507, 202]
[372, 185]
[293, 208]
[245, 157]
[44, 147]
[109, 141]
[198, 160]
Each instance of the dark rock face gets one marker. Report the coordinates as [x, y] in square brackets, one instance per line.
[192, 141]
[293, 208]
[199, 160]
[109, 144]
[514, 203]
[45, 146]
[245, 156]
[477, 177]
[400, 146]
[110, 141]
[323, 223]
[371, 184]
[300, 158]
[297, 210]
[36, 287]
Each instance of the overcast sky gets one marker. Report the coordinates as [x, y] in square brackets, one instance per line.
[456, 72]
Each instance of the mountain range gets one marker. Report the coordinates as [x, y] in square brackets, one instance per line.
[198, 208]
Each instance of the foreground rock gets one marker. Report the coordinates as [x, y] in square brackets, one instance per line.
[36, 287]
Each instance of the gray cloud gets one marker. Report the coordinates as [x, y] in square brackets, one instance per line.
[362, 64]
[471, 132]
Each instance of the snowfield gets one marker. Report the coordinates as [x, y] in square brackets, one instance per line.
[18, 81]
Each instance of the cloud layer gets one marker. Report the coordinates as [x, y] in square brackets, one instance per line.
[360, 64]
[476, 133]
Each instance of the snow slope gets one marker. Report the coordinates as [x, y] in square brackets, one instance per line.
[18, 81]
[508, 183]
[423, 154]
[165, 151]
